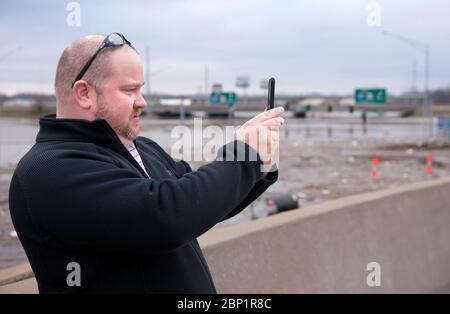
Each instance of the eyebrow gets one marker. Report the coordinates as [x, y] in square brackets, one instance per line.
[134, 85]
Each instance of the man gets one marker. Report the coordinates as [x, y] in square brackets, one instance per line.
[92, 193]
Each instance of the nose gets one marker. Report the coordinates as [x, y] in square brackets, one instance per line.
[140, 101]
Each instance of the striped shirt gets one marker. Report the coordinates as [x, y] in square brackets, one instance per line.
[134, 152]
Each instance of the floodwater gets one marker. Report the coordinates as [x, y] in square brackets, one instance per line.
[17, 135]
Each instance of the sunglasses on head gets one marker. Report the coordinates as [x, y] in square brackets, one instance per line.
[112, 40]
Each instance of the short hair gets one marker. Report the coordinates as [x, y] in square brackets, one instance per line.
[74, 57]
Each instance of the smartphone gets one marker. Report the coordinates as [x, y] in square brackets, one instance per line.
[271, 94]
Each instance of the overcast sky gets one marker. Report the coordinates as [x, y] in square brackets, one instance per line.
[307, 45]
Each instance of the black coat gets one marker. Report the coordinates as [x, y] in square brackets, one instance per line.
[79, 196]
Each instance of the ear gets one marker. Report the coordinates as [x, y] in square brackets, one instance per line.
[84, 95]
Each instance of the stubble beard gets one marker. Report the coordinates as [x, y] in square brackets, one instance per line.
[127, 131]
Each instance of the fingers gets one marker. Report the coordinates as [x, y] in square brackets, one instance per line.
[263, 134]
[266, 115]
[269, 114]
[278, 121]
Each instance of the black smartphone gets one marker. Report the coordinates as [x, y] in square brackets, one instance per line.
[271, 94]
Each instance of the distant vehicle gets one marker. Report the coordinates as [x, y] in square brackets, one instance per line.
[302, 107]
[171, 107]
[175, 102]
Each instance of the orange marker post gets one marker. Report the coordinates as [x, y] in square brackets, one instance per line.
[429, 161]
[375, 162]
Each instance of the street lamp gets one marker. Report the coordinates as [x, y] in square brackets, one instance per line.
[12, 51]
[424, 48]
[149, 74]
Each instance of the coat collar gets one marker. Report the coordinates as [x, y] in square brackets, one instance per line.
[98, 132]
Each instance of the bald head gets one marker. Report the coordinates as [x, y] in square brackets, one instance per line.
[72, 60]
[110, 89]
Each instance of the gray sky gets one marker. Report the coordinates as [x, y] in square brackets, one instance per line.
[307, 45]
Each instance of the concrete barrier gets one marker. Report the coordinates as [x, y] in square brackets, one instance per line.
[326, 248]
[16, 273]
[27, 286]
[18, 279]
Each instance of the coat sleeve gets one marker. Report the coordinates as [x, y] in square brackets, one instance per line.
[259, 188]
[90, 202]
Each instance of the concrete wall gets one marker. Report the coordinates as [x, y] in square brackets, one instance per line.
[18, 279]
[325, 248]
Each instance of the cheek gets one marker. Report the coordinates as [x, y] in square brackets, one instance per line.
[124, 106]
[120, 108]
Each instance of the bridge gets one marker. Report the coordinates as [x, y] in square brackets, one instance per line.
[204, 108]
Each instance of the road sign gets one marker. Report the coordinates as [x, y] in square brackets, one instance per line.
[243, 81]
[370, 96]
[217, 88]
[223, 98]
[264, 84]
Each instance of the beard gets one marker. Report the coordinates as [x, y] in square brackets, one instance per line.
[127, 131]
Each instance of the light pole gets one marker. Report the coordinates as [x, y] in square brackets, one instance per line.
[147, 70]
[206, 80]
[149, 73]
[413, 82]
[427, 109]
[12, 51]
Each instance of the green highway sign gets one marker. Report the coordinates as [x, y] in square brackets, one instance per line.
[222, 98]
[370, 96]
